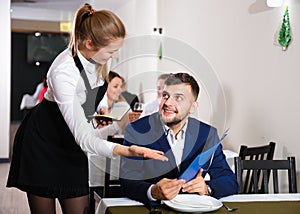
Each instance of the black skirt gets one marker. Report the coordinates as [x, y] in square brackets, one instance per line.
[46, 159]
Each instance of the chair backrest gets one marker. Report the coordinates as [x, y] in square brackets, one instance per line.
[112, 187]
[266, 166]
[265, 152]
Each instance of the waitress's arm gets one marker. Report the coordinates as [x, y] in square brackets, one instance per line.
[139, 151]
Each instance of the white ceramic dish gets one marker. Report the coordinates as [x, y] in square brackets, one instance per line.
[194, 203]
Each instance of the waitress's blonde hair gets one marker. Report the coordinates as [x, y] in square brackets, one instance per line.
[101, 27]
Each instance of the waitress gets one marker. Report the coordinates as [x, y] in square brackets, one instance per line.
[49, 157]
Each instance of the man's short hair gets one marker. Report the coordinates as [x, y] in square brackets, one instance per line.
[179, 78]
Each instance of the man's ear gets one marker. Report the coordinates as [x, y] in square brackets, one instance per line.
[194, 107]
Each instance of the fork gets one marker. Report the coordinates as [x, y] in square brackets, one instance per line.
[230, 209]
[155, 210]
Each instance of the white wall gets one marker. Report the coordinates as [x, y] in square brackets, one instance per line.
[260, 80]
[139, 17]
[5, 78]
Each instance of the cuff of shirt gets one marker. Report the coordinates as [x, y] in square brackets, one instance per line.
[113, 156]
[149, 194]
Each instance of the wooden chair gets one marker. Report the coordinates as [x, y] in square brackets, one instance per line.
[265, 152]
[267, 166]
[111, 188]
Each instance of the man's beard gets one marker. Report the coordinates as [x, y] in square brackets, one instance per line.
[172, 123]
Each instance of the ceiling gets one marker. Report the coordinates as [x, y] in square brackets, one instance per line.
[68, 5]
[57, 10]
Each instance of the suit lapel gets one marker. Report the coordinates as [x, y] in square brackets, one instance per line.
[163, 141]
[164, 144]
[190, 144]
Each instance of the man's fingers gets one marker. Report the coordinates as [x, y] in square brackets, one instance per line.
[200, 173]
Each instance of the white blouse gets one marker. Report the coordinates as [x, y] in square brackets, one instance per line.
[66, 87]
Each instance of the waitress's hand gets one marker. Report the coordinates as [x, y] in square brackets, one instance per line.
[147, 153]
[103, 110]
[98, 123]
[140, 152]
[101, 123]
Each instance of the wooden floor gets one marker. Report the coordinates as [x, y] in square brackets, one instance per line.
[12, 200]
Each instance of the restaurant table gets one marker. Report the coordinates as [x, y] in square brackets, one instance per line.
[250, 203]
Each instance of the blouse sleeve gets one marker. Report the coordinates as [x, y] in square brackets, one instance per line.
[65, 84]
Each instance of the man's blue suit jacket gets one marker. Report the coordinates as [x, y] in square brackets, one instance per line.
[138, 174]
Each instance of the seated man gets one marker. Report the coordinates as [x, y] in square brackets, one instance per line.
[181, 138]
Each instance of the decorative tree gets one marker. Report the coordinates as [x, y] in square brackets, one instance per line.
[159, 53]
[284, 37]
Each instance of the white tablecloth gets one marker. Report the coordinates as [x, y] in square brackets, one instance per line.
[110, 202]
[262, 197]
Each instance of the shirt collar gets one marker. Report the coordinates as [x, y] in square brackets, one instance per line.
[90, 70]
[181, 132]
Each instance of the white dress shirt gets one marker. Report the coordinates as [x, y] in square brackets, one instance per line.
[67, 89]
[103, 103]
[177, 145]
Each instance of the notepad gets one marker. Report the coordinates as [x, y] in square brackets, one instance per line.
[200, 160]
[116, 114]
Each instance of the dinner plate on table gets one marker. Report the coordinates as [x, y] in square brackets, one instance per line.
[193, 203]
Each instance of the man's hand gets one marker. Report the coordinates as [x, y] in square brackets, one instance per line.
[196, 185]
[166, 189]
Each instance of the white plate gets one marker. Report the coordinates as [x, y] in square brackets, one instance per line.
[194, 203]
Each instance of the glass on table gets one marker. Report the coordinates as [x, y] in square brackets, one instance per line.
[137, 110]
[138, 107]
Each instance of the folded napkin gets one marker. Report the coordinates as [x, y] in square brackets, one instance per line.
[193, 201]
[194, 204]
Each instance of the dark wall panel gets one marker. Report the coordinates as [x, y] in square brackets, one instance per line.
[25, 76]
